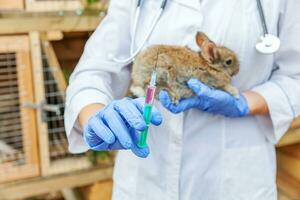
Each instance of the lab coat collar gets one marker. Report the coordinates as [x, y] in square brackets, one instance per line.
[194, 4]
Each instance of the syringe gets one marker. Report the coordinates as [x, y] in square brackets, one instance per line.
[150, 94]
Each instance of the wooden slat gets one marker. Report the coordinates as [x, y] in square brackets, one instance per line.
[54, 35]
[291, 137]
[27, 22]
[7, 5]
[38, 186]
[48, 5]
[14, 44]
[26, 94]
[37, 65]
[288, 163]
[67, 165]
[288, 185]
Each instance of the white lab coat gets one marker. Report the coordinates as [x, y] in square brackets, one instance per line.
[196, 155]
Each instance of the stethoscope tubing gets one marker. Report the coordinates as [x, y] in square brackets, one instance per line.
[133, 53]
[139, 6]
[262, 17]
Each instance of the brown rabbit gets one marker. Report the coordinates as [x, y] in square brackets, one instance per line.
[175, 65]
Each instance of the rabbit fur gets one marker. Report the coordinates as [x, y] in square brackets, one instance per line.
[175, 65]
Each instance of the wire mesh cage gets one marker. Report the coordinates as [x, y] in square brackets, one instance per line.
[11, 5]
[18, 136]
[50, 88]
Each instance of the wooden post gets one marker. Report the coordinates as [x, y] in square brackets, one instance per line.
[37, 66]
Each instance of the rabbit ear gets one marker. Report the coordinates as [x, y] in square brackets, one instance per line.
[209, 48]
[201, 39]
[210, 52]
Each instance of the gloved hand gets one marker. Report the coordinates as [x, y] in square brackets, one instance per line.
[117, 126]
[209, 100]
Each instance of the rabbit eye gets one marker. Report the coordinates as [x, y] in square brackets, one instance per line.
[228, 62]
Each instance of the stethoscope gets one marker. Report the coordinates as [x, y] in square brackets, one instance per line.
[133, 53]
[267, 43]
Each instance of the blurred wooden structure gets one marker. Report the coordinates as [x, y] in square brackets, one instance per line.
[292, 136]
[101, 190]
[18, 134]
[50, 86]
[41, 185]
[11, 5]
[34, 157]
[19, 23]
[50, 5]
[288, 162]
[288, 185]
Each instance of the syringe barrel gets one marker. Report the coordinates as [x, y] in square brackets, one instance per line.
[150, 94]
[143, 135]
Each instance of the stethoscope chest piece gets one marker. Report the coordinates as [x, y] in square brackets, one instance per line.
[268, 44]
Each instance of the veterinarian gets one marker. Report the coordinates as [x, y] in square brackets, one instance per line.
[210, 147]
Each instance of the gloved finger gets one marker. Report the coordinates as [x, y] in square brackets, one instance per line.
[100, 147]
[198, 87]
[156, 116]
[189, 103]
[90, 137]
[142, 153]
[131, 114]
[115, 146]
[116, 124]
[101, 130]
[165, 100]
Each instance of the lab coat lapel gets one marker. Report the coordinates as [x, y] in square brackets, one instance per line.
[194, 4]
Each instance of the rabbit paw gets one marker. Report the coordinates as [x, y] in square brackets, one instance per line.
[137, 91]
[175, 99]
[232, 90]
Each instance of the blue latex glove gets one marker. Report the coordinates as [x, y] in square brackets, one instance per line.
[209, 100]
[117, 126]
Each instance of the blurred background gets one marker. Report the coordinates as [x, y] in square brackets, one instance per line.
[40, 44]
